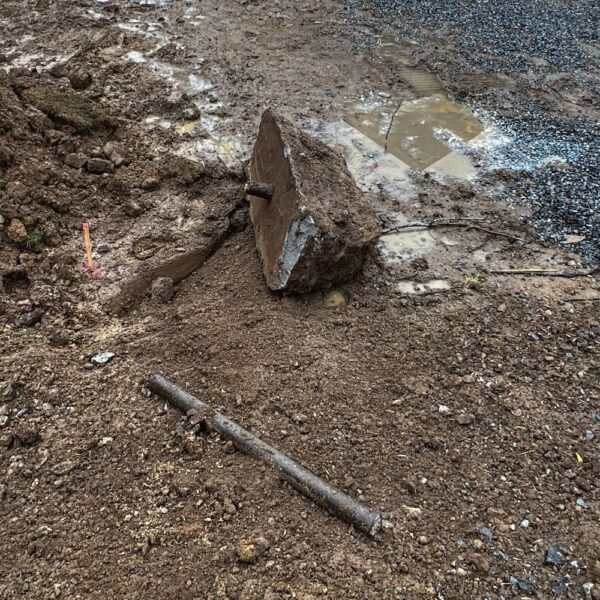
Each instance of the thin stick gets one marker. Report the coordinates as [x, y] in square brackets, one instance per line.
[389, 129]
[302, 479]
[543, 272]
[466, 224]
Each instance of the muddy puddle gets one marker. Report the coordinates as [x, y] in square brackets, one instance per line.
[413, 131]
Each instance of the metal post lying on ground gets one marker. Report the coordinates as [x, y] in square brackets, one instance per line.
[335, 501]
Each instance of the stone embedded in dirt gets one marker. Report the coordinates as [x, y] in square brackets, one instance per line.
[80, 80]
[6, 157]
[556, 556]
[16, 232]
[481, 563]
[317, 229]
[132, 208]
[487, 533]
[114, 153]
[48, 409]
[523, 585]
[99, 166]
[30, 318]
[76, 160]
[465, 419]
[162, 289]
[3, 420]
[7, 391]
[246, 551]
[150, 184]
[558, 587]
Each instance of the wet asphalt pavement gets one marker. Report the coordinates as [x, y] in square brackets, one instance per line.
[555, 156]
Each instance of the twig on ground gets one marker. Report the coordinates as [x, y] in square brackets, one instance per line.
[389, 129]
[544, 272]
[467, 223]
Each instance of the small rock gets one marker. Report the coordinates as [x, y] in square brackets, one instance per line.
[480, 562]
[460, 571]
[150, 184]
[48, 409]
[487, 533]
[465, 419]
[229, 506]
[132, 208]
[413, 511]
[6, 156]
[525, 523]
[98, 166]
[30, 318]
[247, 551]
[423, 540]
[76, 160]
[558, 587]
[443, 409]
[477, 544]
[589, 435]
[501, 308]
[102, 358]
[162, 289]
[3, 420]
[80, 80]
[523, 585]
[115, 154]
[16, 232]
[555, 555]
[582, 503]
[7, 391]
[409, 484]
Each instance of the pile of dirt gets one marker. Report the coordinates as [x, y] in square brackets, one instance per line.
[64, 160]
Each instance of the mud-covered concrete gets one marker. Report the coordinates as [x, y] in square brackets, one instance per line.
[317, 228]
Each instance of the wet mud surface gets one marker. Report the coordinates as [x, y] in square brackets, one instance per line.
[462, 403]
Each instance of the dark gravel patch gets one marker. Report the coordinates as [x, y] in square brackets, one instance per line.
[554, 154]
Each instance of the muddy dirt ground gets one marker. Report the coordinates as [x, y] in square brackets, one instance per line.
[462, 403]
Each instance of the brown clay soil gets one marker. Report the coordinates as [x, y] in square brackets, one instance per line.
[469, 417]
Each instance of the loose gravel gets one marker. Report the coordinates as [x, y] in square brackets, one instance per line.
[555, 156]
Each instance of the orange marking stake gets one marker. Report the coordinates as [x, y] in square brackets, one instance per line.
[87, 244]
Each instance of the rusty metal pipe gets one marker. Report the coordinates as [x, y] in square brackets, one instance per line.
[335, 501]
[262, 190]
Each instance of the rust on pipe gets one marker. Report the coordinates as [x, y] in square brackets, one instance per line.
[261, 190]
[335, 501]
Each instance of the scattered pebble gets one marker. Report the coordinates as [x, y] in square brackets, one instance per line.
[589, 435]
[98, 166]
[555, 555]
[582, 503]
[16, 232]
[443, 409]
[48, 409]
[525, 523]
[487, 533]
[249, 552]
[76, 160]
[558, 587]
[465, 419]
[162, 289]
[3, 420]
[524, 586]
[102, 358]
